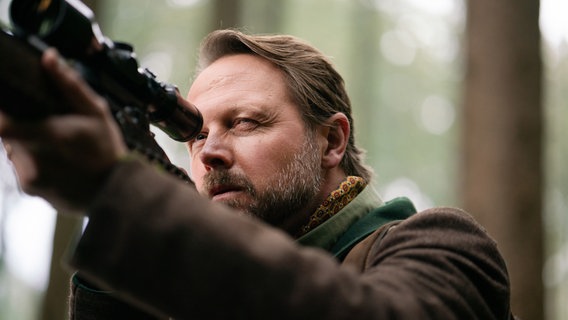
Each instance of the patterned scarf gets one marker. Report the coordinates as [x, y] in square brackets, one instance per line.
[337, 200]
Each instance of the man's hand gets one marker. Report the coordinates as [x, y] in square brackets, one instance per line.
[65, 158]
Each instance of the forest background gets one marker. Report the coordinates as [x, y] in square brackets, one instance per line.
[457, 103]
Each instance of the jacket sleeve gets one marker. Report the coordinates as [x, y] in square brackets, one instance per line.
[88, 303]
[158, 245]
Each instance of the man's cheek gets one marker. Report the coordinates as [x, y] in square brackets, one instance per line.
[197, 178]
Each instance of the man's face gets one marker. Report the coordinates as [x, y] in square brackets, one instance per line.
[254, 152]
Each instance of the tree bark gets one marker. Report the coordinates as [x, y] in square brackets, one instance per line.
[503, 120]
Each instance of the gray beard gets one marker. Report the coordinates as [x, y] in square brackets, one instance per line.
[290, 190]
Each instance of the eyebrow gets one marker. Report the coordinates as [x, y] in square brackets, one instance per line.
[263, 111]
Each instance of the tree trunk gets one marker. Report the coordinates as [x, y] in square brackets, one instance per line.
[266, 16]
[55, 306]
[502, 158]
[226, 14]
[55, 300]
[363, 70]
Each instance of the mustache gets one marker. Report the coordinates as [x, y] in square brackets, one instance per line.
[216, 178]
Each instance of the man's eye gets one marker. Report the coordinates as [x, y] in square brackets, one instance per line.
[245, 123]
[200, 136]
[197, 140]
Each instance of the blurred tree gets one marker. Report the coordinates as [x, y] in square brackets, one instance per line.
[267, 16]
[364, 68]
[55, 300]
[502, 158]
[555, 273]
[226, 14]
[384, 97]
[54, 305]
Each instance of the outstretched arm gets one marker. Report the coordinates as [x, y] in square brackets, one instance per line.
[159, 245]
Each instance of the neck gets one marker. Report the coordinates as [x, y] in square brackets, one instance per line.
[330, 182]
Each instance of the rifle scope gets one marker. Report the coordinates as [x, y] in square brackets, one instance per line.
[70, 26]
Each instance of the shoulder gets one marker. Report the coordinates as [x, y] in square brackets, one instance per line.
[440, 230]
[442, 253]
[436, 224]
[442, 240]
[439, 227]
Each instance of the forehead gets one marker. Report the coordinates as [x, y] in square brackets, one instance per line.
[240, 73]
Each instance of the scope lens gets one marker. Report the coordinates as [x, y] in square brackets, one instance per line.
[43, 5]
[35, 16]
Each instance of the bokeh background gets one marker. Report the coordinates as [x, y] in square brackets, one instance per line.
[409, 66]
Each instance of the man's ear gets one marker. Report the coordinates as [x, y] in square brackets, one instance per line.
[336, 133]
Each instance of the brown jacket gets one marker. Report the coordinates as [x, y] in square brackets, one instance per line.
[204, 261]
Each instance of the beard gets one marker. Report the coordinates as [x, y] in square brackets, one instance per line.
[289, 191]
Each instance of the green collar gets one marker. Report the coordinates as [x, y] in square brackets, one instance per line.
[327, 234]
[361, 217]
[397, 209]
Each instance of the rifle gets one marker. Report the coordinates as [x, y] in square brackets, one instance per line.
[136, 99]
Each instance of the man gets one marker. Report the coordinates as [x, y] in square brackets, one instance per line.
[283, 224]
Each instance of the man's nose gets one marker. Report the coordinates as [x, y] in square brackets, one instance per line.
[216, 153]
